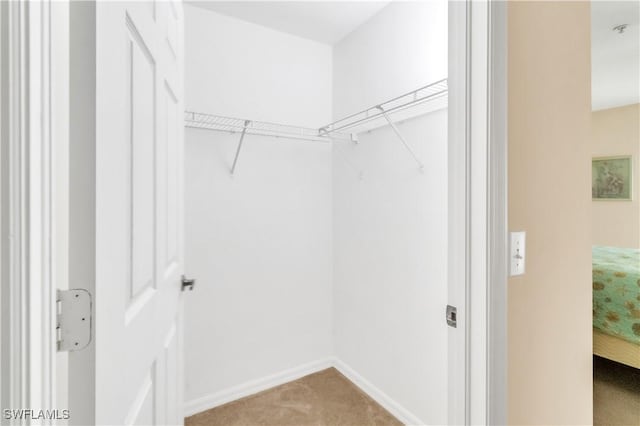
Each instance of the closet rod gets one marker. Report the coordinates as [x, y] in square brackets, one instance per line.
[430, 92]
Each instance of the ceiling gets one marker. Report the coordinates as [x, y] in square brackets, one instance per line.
[615, 57]
[322, 21]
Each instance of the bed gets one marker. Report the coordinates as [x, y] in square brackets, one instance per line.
[616, 304]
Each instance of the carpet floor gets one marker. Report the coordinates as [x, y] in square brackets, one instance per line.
[616, 394]
[323, 398]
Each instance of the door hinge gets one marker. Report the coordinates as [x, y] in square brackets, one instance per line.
[452, 316]
[73, 319]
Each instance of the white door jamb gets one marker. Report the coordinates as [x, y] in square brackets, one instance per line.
[27, 287]
[497, 221]
[477, 202]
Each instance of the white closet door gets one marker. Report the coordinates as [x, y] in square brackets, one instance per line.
[139, 202]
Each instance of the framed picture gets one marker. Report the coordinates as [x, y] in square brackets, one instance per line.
[611, 178]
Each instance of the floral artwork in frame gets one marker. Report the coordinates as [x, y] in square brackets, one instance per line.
[611, 178]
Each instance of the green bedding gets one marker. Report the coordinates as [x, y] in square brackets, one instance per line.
[616, 292]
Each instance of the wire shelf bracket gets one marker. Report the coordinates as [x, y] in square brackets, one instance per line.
[235, 159]
[426, 96]
[399, 135]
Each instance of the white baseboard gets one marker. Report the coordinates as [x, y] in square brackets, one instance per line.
[389, 404]
[249, 388]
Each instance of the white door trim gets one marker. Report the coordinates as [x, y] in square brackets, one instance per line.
[477, 205]
[28, 331]
[458, 264]
[497, 221]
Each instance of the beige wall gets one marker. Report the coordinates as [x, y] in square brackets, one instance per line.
[549, 123]
[616, 131]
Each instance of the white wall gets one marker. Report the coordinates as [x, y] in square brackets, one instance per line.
[382, 59]
[390, 228]
[259, 243]
[239, 69]
[296, 234]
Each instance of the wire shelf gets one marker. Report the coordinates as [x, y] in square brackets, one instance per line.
[432, 96]
[262, 128]
[426, 94]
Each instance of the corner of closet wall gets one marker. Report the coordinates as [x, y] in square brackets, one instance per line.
[258, 242]
[390, 219]
[317, 255]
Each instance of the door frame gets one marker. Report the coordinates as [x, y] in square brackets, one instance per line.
[478, 211]
[478, 237]
[498, 218]
[27, 285]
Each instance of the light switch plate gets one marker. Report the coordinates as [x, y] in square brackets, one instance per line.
[517, 251]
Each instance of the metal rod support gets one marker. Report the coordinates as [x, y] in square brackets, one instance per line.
[244, 132]
[399, 135]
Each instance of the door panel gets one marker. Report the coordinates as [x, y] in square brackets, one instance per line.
[138, 213]
[170, 413]
[141, 128]
[141, 410]
[171, 182]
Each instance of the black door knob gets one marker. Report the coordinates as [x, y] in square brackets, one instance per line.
[188, 283]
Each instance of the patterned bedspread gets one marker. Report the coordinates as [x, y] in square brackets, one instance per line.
[616, 292]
